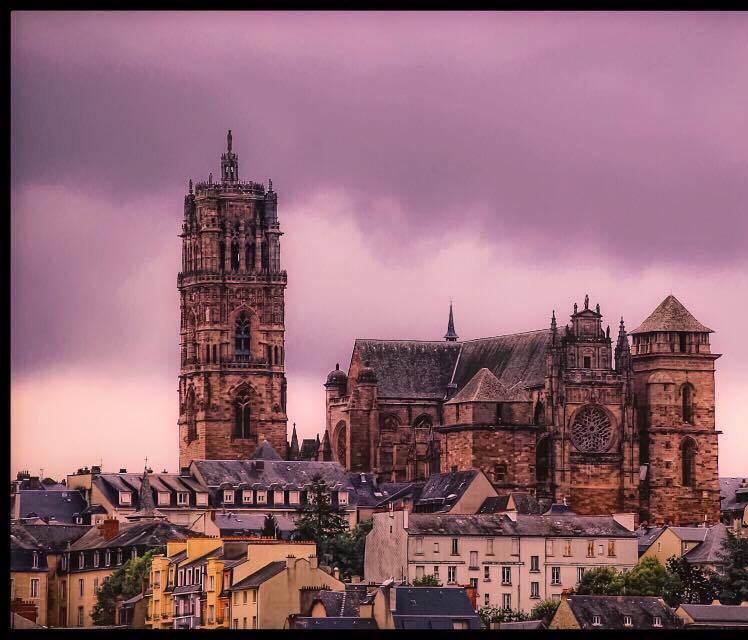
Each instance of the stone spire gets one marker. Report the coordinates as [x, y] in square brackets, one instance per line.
[229, 162]
[451, 336]
[293, 450]
[623, 349]
[554, 328]
[326, 453]
[145, 497]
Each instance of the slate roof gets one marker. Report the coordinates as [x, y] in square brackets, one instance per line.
[524, 502]
[733, 493]
[690, 534]
[443, 490]
[484, 386]
[61, 506]
[612, 610]
[410, 368]
[110, 484]
[265, 452]
[647, 536]
[432, 608]
[335, 623]
[309, 447]
[370, 492]
[340, 604]
[261, 575]
[288, 474]
[564, 525]
[717, 614]
[708, 551]
[54, 537]
[233, 524]
[22, 539]
[494, 504]
[152, 533]
[671, 315]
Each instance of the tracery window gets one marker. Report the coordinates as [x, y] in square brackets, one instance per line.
[688, 457]
[241, 337]
[390, 423]
[592, 431]
[422, 422]
[242, 424]
[341, 449]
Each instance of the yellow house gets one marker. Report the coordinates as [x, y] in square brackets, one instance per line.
[266, 597]
[675, 541]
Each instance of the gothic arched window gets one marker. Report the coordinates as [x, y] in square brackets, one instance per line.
[340, 443]
[241, 337]
[222, 255]
[687, 402]
[539, 417]
[249, 258]
[688, 461]
[542, 459]
[389, 423]
[189, 411]
[235, 255]
[422, 422]
[242, 423]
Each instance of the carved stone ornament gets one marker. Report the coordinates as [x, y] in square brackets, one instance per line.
[592, 431]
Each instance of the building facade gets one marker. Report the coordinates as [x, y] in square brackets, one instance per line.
[232, 383]
[568, 412]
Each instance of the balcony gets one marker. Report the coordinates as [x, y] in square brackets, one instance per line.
[206, 277]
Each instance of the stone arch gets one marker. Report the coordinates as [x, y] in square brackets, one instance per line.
[389, 422]
[340, 439]
[687, 393]
[243, 427]
[688, 451]
[244, 315]
[538, 418]
[423, 421]
[543, 456]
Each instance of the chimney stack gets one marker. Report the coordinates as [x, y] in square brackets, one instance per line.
[109, 528]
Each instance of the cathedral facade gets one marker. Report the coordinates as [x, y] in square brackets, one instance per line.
[232, 383]
[567, 412]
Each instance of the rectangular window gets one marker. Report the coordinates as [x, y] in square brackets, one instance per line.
[549, 547]
[587, 362]
[506, 600]
[80, 587]
[419, 546]
[515, 546]
[473, 559]
[244, 623]
[600, 549]
[611, 548]
[567, 548]
[254, 596]
[343, 497]
[506, 575]
[451, 574]
[279, 497]
[254, 622]
[244, 597]
[657, 621]
[489, 546]
[235, 623]
[487, 600]
[436, 571]
[626, 621]
[64, 589]
[596, 621]
[247, 496]
[455, 550]
[211, 613]
[81, 560]
[534, 589]
[590, 548]
[183, 498]
[125, 497]
[294, 497]
[580, 573]
[262, 496]
[201, 499]
[134, 553]
[436, 547]
[80, 616]
[164, 498]
[119, 556]
[107, 558]
[96, 559]
[96, 585]
[211, 583]
[486, 573]
[35, 560]
[34, 587]
[228, 496]
[236, 597]
[535, 564]
[419, 573]
[555, 575]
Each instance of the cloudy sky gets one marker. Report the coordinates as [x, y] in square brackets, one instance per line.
[510, 162]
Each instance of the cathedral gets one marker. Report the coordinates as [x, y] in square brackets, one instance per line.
[232, 382]
[567, 412]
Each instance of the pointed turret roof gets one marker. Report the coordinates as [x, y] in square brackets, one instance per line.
[293, 449]
[484, 386]
[451, 335]
[265, 452]
[671, 315]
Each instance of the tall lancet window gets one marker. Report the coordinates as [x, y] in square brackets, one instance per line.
[242, 427]
[241, 337]
[687, 393]
[688, 457]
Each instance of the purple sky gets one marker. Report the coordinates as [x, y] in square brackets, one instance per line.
[512, 162]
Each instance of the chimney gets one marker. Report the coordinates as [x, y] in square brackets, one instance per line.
[566, 593]
[625, 520]
[472, 594]
[336, 573]
[357, 579]
[716, 603]
[109, 528]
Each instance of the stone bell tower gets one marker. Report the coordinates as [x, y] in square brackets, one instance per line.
[232, 382]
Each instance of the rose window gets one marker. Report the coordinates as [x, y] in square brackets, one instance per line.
[591, 431]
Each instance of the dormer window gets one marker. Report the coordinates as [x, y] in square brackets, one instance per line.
[627, 621]
[119, 556]
[35, 560]
[96, 559]
[294, 497]
[279, 497]
[163, 498]
[596, 621]
[247, 495]
[107, 558]
[183, 498]
[134, 553]
[201, 499]
[342, 497]
[657, 621]
[262, 496]
[81, 560]
[125, 497]
[64, 562]
[228, 495]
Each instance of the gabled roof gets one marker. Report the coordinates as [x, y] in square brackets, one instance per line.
[265, 452]
[58, 505]
[671, 315]
[708, 551]
[715, 614]
[690, 534]
[647, 536]
[612, 609]
[484, 386]
[443, 490]
[432, 608]
[55, 537]
[733, 493]
[258, 577]
[340, 604]
[524, 503]
[150, 533]
[370, 492]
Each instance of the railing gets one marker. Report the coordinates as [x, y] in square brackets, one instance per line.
[265, 277]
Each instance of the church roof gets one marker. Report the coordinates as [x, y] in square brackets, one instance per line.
[671, 315]
[484, 386]
[265, 452]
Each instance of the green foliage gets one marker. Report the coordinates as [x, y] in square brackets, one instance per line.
[346, 550]
[544, 610]
[649, 578]
[601, 581]
[495, 614]
[127, 582]
[427, 580]
[320, 519]
[270, 527]
[691, 584]
[732, 582]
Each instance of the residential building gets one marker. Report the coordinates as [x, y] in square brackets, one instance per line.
[455, 492]
[714, 616]
[28, 573]
[641, 613]
[515, 501]
[733, 494]
[49, 503]
[698, 545]
[512, 560]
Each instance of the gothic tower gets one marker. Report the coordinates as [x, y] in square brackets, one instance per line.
[232, 383]
[674, 387]
[590, 455]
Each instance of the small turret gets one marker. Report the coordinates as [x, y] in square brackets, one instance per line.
[326, 452]
[451, 335]
[366, 375]
[623, 350]
[229, 163]
[293, 449]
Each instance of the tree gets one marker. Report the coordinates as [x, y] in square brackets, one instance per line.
[544, 610]
[732, 582]
[320, 519]
[127, 582]
[691, 584]
[601, 581]
[427, 580]
[270, 526]
[494, 614]
[346, 550]
[649, 578]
